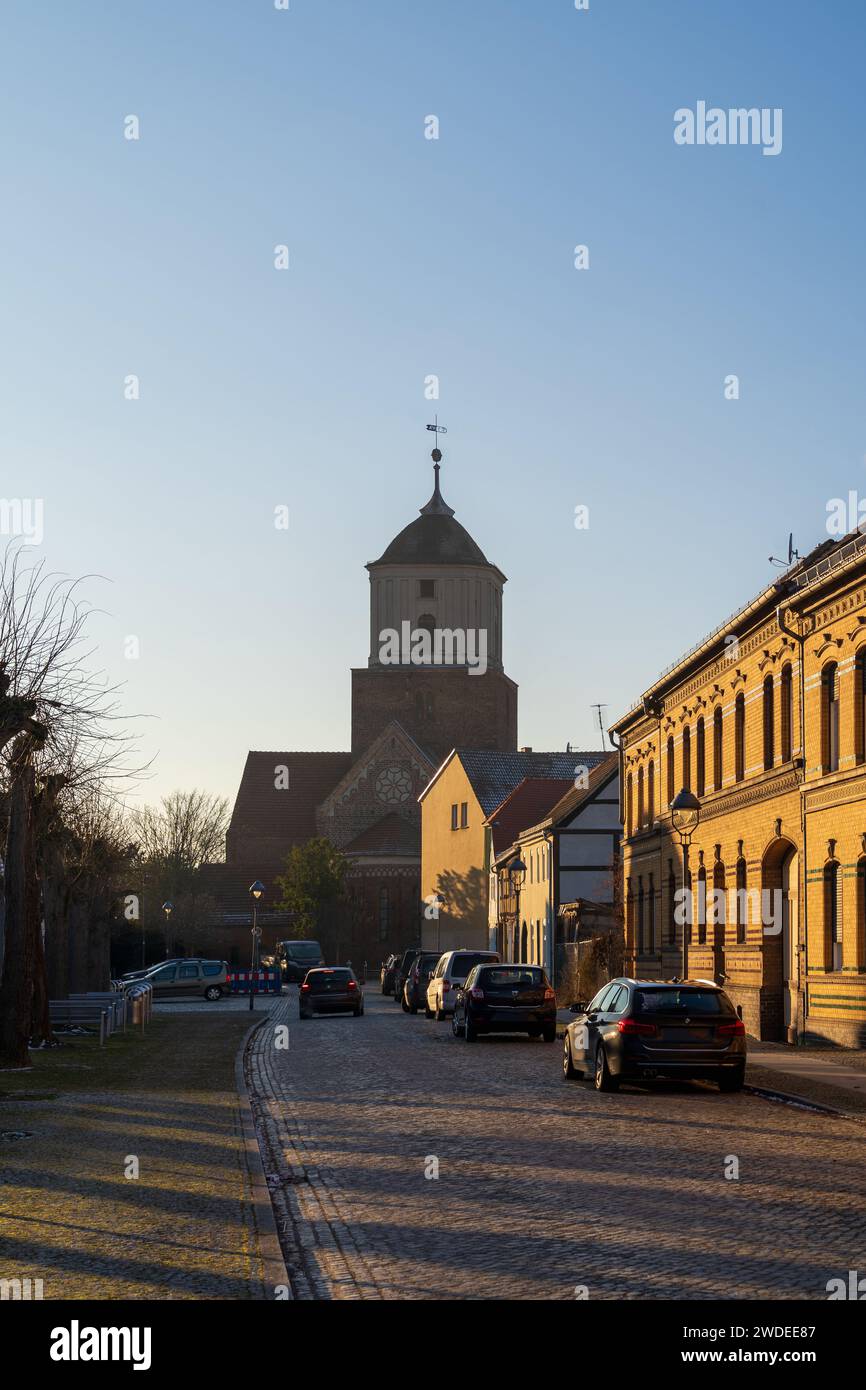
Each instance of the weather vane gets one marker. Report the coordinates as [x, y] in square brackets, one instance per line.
[437, 429]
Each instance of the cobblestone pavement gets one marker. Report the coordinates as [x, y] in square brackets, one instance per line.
[543, 1185]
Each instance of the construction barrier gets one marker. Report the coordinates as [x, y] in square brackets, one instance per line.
[264, 981]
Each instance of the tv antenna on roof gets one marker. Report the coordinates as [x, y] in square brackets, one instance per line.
[598, 709]
[792, 554]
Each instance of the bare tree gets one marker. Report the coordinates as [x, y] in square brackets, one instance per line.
[59, 727]
[187, 829]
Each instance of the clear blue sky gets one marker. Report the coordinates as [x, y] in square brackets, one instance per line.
[410, 257]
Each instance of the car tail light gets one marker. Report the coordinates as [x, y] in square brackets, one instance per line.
[351, 985]
[737, 1029]
[305, 987]
[549, 993]
[630, 1026]
[476, 993]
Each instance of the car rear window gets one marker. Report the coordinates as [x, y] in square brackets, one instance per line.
[319, 980]
[461, 965]
[212, 967]
[512, 975]
[682, 1001]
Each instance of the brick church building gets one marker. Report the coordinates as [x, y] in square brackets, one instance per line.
[408, 712]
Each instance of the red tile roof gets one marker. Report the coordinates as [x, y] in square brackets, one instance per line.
[390, 835]
[267, 820]
[530, 800]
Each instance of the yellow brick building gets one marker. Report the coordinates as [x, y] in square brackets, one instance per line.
[765, 722]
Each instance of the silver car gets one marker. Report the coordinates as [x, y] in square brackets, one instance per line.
[178, 978]
[449, 974]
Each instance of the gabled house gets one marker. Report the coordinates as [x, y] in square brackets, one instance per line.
[457, 836]
[571, 856]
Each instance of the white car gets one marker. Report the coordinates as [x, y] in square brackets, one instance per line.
[449, 974]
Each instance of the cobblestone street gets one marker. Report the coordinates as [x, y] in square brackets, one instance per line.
[543, 1186]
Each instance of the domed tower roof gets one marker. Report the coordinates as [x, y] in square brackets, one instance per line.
[433, 538]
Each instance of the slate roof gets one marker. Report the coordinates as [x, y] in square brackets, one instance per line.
[433, 538]
[525, 805]
[493, 775]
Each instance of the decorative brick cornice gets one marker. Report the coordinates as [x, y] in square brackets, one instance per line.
[749, 795]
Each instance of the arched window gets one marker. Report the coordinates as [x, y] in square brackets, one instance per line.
[640, 805]
[786, 711]
[641, 923]
[740, 737]
[651, 795]
[702, 906]
[672, 774]
[651, 915]
[523, 943]
[741, 909]
[860, 706]
[629, 823]
[700, 756]
[631, 939]
[717, 749]
[717, 915]
[769, 730]
[830, 717]
[687, 759]
[832, 915]
[672, 904]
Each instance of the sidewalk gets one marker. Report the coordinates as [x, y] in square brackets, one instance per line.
[831, 1076]
[72, 1212]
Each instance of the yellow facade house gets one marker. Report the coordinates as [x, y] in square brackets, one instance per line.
[765, 723]
[456, 843]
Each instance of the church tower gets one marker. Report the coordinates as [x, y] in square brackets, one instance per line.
[435, 661]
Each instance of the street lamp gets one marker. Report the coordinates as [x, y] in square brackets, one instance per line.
[685, 814]
[166, 907]
[256, 889]
[516, 873]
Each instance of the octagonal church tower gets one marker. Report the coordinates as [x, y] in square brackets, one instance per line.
[435, 661]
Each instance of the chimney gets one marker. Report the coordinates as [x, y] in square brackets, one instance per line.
[524, 750]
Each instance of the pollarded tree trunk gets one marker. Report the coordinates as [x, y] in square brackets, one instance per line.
[22, 922]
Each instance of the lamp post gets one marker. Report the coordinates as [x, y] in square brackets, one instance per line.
[516, 873]
[256, 890]
[685, 814]
[166, 907]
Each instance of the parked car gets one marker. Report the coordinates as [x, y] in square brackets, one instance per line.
[415, 987]
[638, 1029]
[505, 999]
[402, 971]
[451, 971]
[176, 978]
[297, 957]
[386, 974]
[333, 990]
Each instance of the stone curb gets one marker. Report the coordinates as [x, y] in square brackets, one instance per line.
[790, 1098]
[274, 1270]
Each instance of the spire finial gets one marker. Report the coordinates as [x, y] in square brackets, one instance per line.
[437, 505]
